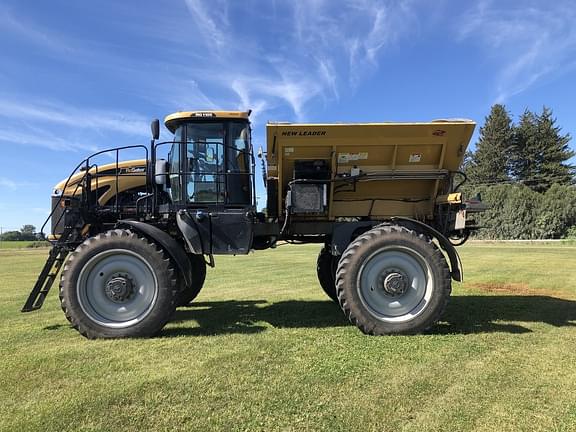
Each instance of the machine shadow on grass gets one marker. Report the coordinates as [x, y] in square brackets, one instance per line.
[246, 316]
[502, 313]
[464, 315]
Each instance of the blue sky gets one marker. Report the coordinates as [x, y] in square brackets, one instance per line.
[79, 76]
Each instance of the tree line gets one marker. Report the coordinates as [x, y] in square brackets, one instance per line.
[27, 232]
[523, 172]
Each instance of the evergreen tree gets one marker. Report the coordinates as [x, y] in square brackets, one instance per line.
[555, 152]
[540, 152]
[523, 154]
[489, 163]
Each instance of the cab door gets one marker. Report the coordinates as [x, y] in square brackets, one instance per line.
[218, 187]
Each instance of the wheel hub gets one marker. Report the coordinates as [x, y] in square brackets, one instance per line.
[395, 284]
[119, 288]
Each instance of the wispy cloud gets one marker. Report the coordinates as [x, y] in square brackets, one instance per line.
[41, 138]
[529, 42]
[258, 105]
[185, 94]
[357, 31]
[319, 50]
[95, 56]
[62, 114]
[6, 183]
[40, 210]
[31, 32]
[210, 25]
[315, 52]
[61, 127]
[329, 76]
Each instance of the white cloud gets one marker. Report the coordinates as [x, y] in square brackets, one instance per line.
[262, 92]
[26, 30]
[61, 127]
[356, 31]
[323, 49]
[7, 183]
[38, 138]
[529, 42]
[186, 94]
[61, 114]
[210, 24]
[240, 87]
[320, 47]
[329, 76]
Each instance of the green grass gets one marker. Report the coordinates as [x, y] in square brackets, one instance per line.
[262, 349]
[15, 244]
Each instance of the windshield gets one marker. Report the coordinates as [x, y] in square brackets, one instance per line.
[217, 162]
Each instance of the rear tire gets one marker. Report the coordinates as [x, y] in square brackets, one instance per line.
[118, 285]
[326, 270]
[189, 293]
[392, 280]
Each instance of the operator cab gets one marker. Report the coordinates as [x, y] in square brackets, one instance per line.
[210, 168]
[210, 160]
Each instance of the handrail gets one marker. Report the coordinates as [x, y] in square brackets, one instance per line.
[82, 181]
[86, 172]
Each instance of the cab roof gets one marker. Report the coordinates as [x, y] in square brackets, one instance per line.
[172, 120]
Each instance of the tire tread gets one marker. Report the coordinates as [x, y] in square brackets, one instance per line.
[369, 325]
[95, 332]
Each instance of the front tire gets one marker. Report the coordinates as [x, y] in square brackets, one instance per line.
[392, 280]
[118, 285]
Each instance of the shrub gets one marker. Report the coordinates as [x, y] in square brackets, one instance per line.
[518, 212]
[571, 233]
[557, 212]
[38, 244]
[512, 214]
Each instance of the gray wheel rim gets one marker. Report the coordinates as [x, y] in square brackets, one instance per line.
[395, 284]
[117, 288]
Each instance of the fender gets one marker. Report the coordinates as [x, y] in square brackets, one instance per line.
[170, 245]
[455, 263]
[343, 233]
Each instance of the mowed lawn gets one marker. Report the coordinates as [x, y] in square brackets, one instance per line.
[263, 349]
[15, 244]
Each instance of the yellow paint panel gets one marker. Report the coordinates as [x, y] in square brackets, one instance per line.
[126, 181]
[375, 149]
[136, 163]
[417, 156]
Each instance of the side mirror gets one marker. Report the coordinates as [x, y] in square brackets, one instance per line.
[155, 126]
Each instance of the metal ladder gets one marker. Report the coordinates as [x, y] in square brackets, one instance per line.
[47, 276]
